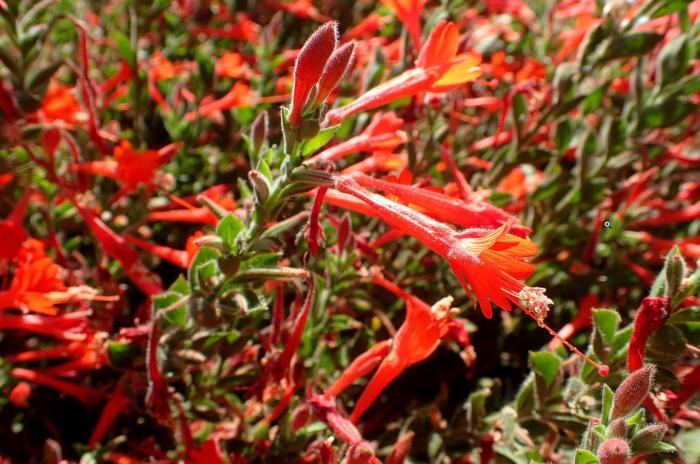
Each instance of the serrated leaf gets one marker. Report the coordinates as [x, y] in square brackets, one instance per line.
[585, 457]
[319, 140]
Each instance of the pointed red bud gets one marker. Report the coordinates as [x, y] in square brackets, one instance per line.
[335, 68]
[632, 391]
[309, 66]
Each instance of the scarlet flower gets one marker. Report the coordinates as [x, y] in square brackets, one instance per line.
[36, 285]
[490, 261]
[180, 258]
[309, 66]
[239, 96]
[415, 340]
[409, 12]
[438, 69]
[379, 161]
[60, 106]
[231, 65]
[131, 168]
[241, 28]
[382, 134]
[81, 393]
[446, 208]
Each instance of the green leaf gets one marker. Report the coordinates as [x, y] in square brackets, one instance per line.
[593, 101]
[608, 396]
[631, 44]
[41, 77]
[669, 7]
[673, 60]
[667, 113]
[203, 266]
[585, 457]
[124, 48]
[636, 419]
[228, 229]
[319, 140]
[606, 321]
[177, 291]
[121, 353]
[546, 364]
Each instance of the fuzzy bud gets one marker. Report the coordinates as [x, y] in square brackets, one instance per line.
[617, 428]
[360, 453]
[648, 437]
[675, 271]
[334, 70]
[261, 187]
[632, 391]
[309, 66]
[614, 451]
[258, 132]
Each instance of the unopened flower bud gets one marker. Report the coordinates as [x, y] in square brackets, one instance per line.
[632, 391]
[308, 129]
[648, 437]
[614, 451]
[300, 417]
[309, 66]
[617, 428]
[360, 453]
[19, 396]
[258, 133]
[333, 71]
[675, 271]
[344, 229]
[261, 187]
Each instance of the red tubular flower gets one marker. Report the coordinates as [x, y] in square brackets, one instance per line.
[382, 134]
[333, 71]
[116, 404]
[409, 12]
[445, 208]
[309, 66]
[81, 393]
[239, 96]
[379, 161]
[417, 338]
[401, 449]
[438, 69]
[489, 262]
[69, 326]
[361, 366]
[36, 285]
[180, 258]
[651, 315]
[117, 248]
[297, 331]
[131, 168]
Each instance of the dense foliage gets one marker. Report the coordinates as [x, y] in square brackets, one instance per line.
[349, 231]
